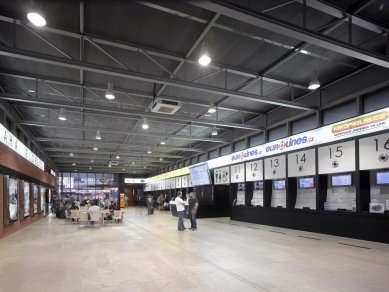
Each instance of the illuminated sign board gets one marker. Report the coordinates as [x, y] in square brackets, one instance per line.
[8, 139]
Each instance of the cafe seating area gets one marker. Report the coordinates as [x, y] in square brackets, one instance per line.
[101, 218]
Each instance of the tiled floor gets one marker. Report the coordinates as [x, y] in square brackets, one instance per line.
[147, 253]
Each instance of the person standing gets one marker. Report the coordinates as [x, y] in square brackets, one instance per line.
[180, 205]
[150, 205]
[193, 206]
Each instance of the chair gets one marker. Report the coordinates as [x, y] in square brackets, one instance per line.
[75, 216]
[68, 218]
[117, 216]
[84, 218]
[94, 217]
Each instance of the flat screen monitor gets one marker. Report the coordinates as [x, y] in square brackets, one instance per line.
[382, 178]
[241, 187]
[306, 182]
[341, 180]
[199, 175]
[279, 184]
[258, 185]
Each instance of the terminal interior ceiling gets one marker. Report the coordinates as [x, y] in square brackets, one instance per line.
[82, 89]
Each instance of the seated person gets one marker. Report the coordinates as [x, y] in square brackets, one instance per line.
[93, 208]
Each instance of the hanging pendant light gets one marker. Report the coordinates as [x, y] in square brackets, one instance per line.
[315, 83]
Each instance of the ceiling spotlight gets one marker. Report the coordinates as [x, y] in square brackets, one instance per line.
[133, 163]
[145, 167]
[109, 94]
[30, 90]
[212, 109]
[204, 60]
[90, 167]
[75, 170]
[145, 125]
[98, 135]
[73, 164]
[36, 17]
[92, 160]
[163, 142]
[62, 116]
[117, 157]
[109, 165]
[95, 148]
[214, 131]
[315, 83]
[123, 169]
[71, 154]
[161, 158]
[149, 151]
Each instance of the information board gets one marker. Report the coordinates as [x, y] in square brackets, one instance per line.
[167, 183]
[200, 174]
[275, 167]
[237, 173]
[374, 152]
[178, 182]
[173, 183]
[184, 181]
[302, 163]
[254, 170]
[222, 175]
[190, 184]
[337, 158]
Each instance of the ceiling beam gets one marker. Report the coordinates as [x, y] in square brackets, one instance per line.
[122, 112]
[119, 131]
[297, 32]
[102, 152]
[92, 142]
[99, 87]
[150, 51]
[90, 67]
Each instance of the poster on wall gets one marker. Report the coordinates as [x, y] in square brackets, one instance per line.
[13, 198]
[35, 198]
[26, 193]
[43, 201]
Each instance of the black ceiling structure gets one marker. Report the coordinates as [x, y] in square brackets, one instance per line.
[264, 54]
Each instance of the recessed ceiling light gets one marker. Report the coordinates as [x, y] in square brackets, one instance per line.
[36, 17]
[123, 169]
[92, 160]
[206, 115]
[212, 109]
[161, 158]
[30, 90]
[109, 165]
[73, 164]
[204, 60]
[98, 135]
[145, 124]
[117, 157]
[315, 83]
[95, 148]
[214, 131]
[133, 162]
[71, 154]
[75, 170]
[62, 115]
[90, 167]
[109, 94]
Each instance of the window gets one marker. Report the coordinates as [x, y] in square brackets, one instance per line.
[303, 125]
[225, 150]
[340, 112]
[239, 145]
[376, 101]
[277, 133]
[202, 157]
[213, 154]
[257, 140]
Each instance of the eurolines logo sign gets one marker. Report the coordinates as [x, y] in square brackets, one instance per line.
[246, 154]
[288, 143]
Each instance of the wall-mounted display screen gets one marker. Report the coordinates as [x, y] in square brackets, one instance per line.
[341, 180]
[306, 182]
[382, 178]
[279, 184]
[258, 185]
[241, 187]
[200, 175]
